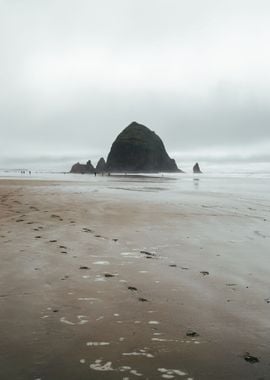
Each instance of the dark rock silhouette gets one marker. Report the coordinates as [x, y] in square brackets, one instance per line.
[101, 166]
[196, 168]
[138, 149]
[83, 169]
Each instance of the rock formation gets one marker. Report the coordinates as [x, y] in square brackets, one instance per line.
[101, 166]
[196, 168]
[83, 169]
[138, 149]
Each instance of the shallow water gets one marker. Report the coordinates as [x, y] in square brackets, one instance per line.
[251, 179]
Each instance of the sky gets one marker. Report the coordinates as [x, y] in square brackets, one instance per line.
[73, 74]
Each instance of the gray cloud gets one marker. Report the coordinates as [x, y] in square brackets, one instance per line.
[72, 75]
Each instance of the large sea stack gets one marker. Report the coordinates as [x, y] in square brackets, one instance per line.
[83, 169]
[138, 149]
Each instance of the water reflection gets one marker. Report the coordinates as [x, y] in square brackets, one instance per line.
[196, 182]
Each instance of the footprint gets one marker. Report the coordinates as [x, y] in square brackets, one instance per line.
[86, 229]
[100, 237]
[56, 217]
[258, 233]
[148, 254]
[34, 208]
[132, 288]
[204, 273]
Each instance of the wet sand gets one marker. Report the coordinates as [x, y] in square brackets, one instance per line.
[105, 283]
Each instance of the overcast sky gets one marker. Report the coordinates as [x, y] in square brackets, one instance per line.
[73, 74]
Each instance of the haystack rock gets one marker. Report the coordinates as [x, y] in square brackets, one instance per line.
[196, 168]
[138, 149]
[101, 166]
[83, 169]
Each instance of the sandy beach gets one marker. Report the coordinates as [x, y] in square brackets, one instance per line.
[117, 278]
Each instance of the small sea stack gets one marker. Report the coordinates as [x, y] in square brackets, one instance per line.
[87, 168]
[196, 168]
[101, 166]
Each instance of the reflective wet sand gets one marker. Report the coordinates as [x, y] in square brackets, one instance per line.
[129, 280]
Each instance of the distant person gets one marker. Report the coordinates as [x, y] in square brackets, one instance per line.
[29, 172]
[95, 174]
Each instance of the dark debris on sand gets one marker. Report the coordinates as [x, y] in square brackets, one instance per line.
[192, 333]
[251, 359]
